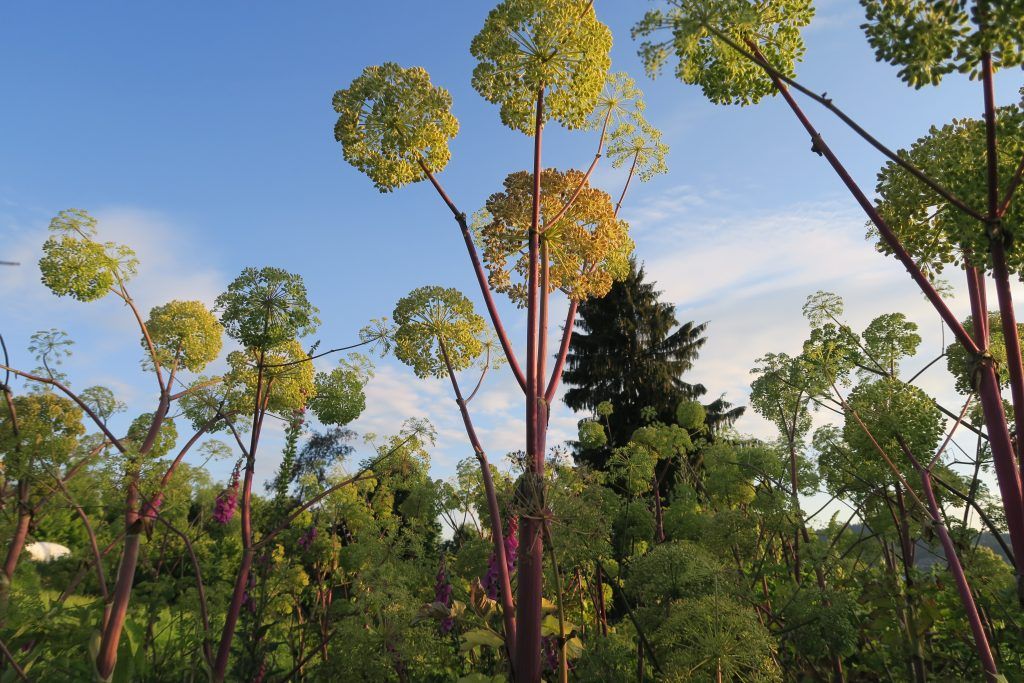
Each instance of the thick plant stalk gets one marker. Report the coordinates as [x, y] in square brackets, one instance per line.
[481, 278]
[106, 657]
[531, 548]
[497, 535]
[220, 664]
[231, 620]
[981, 643]
[17, 544]
[1007, 473]
[1000, 272]
[1007, 469]
[117, 610]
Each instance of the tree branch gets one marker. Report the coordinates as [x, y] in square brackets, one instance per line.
[481, 278]
[74, 397]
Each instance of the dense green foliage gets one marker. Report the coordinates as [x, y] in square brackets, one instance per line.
[628, 351]
[662, 545]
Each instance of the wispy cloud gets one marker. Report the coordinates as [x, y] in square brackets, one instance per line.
[748, 274]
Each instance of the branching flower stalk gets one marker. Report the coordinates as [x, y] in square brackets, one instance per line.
[179, 334]
[741, 58]
[539, 61]
[934, 513]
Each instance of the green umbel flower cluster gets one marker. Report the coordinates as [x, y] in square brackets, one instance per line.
[890, 408]
[288, 381]
[696, 29]
[935, 233]
[75, 265]
[529, 45]
[185, 334]
[592, 434]
[432, 322]
[929, 40]
[340, 398]
[263, 308]
[691, 415]
[390, 121]
[588, 248]
[964, 368]
[48, 430]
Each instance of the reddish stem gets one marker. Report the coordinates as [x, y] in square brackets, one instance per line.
[531, 548]
[880, 224]
[1002, 450]
[481, 278]
[632, 171]
[542, 327]
[18, 538]
[955, 568]
[242, 578]
[497, 533]
[962, 586]
[563, 352]
[1000, 272]
[106, 657]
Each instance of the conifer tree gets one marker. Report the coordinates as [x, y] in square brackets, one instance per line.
[629, 349]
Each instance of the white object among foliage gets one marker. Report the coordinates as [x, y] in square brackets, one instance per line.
[45, 552]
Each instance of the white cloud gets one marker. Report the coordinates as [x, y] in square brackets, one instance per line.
[748, 274]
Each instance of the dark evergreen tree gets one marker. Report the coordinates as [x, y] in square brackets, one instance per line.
[628, 348]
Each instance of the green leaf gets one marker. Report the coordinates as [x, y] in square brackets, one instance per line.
[480, 637]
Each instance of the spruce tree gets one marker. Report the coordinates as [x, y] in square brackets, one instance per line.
[628, 348]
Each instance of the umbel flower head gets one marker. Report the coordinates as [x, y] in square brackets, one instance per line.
[588, 248]
[74, 264]
[432, 323]
[529, 45]
[392, 122]
[184, 334]
[936, 233]
[631, 139]
[699, 32]
[929, 39]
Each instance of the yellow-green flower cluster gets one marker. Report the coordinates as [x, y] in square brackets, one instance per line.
[431, 322]
[705, 59]
[390, 120]
[287, 376]
[184, 333]
[588, 248]
[934, 232]
[48, 430]
[76, 265]
[929, 39]
[529, 45]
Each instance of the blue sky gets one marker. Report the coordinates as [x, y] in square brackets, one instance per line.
[201, 134]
